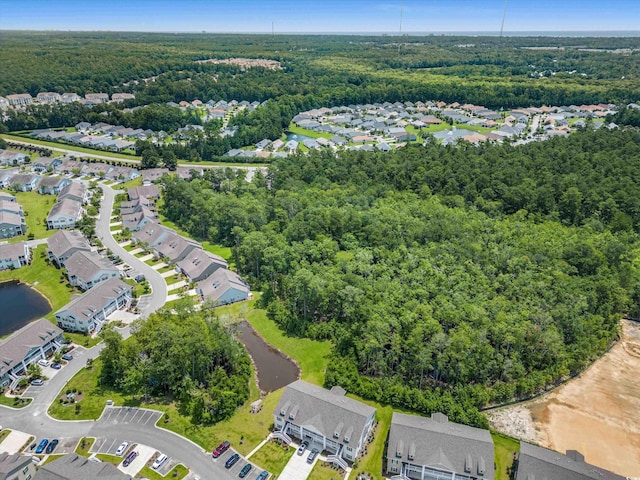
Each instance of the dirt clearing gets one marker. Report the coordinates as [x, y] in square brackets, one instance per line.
[597, 413]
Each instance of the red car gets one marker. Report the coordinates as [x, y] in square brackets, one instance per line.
[220, 449]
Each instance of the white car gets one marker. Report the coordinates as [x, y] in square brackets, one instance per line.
[43, 362]
[122, 448]
[159, 461]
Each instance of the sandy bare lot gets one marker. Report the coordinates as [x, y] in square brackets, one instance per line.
[597, 413]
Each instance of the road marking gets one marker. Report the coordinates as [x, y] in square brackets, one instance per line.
[110, 446]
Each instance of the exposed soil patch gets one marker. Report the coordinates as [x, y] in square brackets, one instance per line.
[597, 413]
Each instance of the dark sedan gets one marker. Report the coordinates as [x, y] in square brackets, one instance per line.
[52, 446]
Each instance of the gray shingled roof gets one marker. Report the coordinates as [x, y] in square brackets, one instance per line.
[438, 443]
[175, 245]
[149, 191]
[51, 181]
[11, 218]
[12, 250]
[85, 265]
[10, 207]
[324, 411]
[74, 188]
[66, 206]
[35, 334]
[76, 467]
[536, 463]
[10, 464]
[219, 282]
[7, 197]
[151, 233]
[132, 220]
[96, 298]
[198, 261]
[64, 240]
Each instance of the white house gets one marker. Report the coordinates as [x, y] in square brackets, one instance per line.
[87, 269]
[12, 225]
[13, 256]
[64, 214]
[48, 97]
[64, 243]
[75, 191]
[326, 419]
[34, 341]
[88, 312]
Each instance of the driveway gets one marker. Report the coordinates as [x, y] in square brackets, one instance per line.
[158, 297]
[14, 442]
[297, 468]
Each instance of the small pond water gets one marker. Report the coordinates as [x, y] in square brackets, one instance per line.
[297, 137]
[273, 368]
[19, 305]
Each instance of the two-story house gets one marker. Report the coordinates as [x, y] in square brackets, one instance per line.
[87, 269]
[64, 243]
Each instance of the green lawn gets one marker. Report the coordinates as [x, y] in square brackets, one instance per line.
[84, 445]
[105, 457]
[4, 434]
[52, 458]
[308, 133]
[178, 472]
[166, 269]
[321, 472]
[45, 278]
[14, 402]
[173, 279]
[311, 355]
[36, 208]
[272, 457]
[136, 182]
[372, 461]
[505, 450]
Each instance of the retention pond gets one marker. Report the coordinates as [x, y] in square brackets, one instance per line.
[19, 305]
[274, 370]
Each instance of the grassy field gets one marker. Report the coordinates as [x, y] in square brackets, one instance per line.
[52, 458]
[136, 182]
[372, 461]
[272, 457]
[505, 449]
[178, 472]
[311, 355]
[36, 208]
[84, 445]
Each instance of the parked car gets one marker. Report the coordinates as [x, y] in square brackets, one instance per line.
[67, 356]
[122, 448]
[130, 458]
[52, 446]
[245, 470]
[232, 460]
[263, 475]
[220, 449]
[43, 362]
[42, 445]
[312, 455]
[303, 446]
[38, 382]
[56, 366]
[159, 461]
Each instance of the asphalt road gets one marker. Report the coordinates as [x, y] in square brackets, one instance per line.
[73, 153]
[158, 295]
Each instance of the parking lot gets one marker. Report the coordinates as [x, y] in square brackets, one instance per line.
[235, 470]
[129, 415]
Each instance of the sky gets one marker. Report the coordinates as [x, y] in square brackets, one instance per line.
[321, 16]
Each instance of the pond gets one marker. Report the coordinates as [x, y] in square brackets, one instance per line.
[19, 305]
[274, 370]
[297, 137]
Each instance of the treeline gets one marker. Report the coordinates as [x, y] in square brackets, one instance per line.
[186, 355]
[431, 303]
[331, 70]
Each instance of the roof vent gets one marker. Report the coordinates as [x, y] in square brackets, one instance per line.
[467, 464]
[481, 466]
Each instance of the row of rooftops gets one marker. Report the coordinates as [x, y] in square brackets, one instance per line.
[22, 99]
[433, 442]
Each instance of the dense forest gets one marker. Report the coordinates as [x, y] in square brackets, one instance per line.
[446, 278]
[186, 355]
[326, 70]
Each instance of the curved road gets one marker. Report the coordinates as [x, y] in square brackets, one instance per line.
[158, 295]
